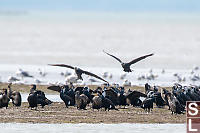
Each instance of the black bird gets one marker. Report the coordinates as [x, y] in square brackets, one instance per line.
[4, 99]
[86, 91]
[97, 102]
[133, 98]
[122, 97]
[15, 96]
[41, 99]
[67, 94]
[159, 100]
[32, 100]
[126, 66]
[112, 95]
[79, 71]
[33, 88]
[107, 104]
[81, 100]
[147, 104]
[100, 101]
[174, 104]
[147, 88]
[37, 97]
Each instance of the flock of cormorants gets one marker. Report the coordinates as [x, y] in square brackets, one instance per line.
[8, 94]
[108, 97]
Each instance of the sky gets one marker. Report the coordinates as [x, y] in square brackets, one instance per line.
[103, 5]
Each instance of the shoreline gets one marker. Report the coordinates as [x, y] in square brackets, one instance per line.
[92, 128]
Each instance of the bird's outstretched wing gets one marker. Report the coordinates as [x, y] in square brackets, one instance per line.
[135, 94]
[54, 88]
[113, 56]
[91, 74]
[138, 59]
[110, 92]
[112, 95]
[62, 65]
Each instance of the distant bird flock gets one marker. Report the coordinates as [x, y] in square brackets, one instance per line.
[107, 96]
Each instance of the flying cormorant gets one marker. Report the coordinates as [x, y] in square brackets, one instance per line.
[79, 71]
[126, 66]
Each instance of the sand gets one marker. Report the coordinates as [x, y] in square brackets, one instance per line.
[58, 113]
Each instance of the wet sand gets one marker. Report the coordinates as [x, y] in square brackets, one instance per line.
[58, 113]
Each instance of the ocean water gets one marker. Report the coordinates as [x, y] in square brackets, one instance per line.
[40, 39]
[33, 40]
[92, 128]
[53, 75]
[54, 98]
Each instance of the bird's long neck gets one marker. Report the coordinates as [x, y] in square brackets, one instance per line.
[5, 91]
[9, 91]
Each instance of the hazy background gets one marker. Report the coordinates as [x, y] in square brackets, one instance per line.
[39, 32]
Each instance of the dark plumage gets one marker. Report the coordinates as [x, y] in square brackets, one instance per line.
[79, 72]
[150, 94]
[80, 100]
[37, 97]
[33, 88]
[96, 102]
[122, 99]
[15, 96]
[80, 89]
[147, 88]
[98, 89]
[174, 104]
[112, 95]
[159, 100]
[107, 104]
[66, 94]
[32, 100]
[181, 95]
[54, 88]
[66, 99]
[41, 98]
[86, 91]
[185, 98]
[4, 99]
[192, 95]
[147, 104]
[126, 66]
[166, 92]
[133, 98]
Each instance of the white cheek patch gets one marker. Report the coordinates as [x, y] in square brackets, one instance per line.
[104, 94]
